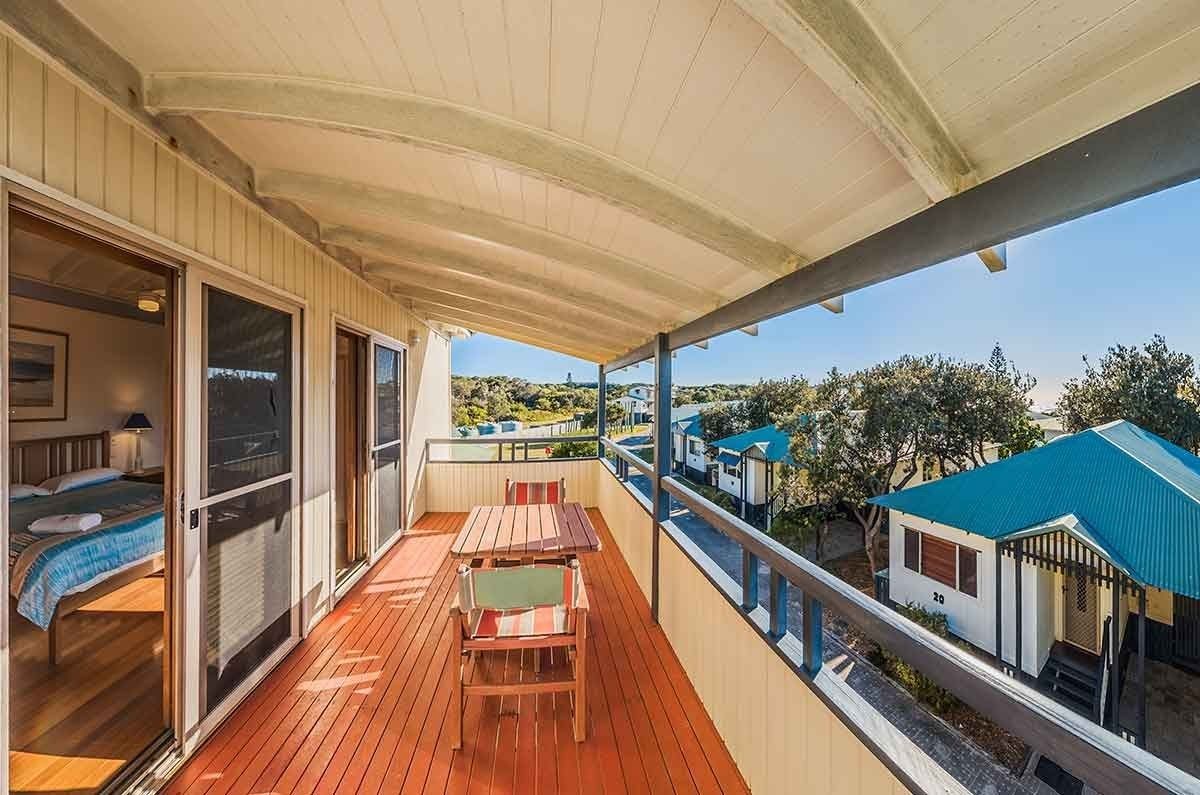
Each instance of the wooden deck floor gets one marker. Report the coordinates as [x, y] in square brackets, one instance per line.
[361, 704]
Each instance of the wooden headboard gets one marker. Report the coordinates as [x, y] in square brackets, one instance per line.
[34, 460]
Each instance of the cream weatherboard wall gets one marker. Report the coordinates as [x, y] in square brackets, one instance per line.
[458, 487]
[58, 133]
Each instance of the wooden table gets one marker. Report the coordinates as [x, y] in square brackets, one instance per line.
[526, 531]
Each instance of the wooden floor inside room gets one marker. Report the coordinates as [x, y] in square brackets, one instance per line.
[361, 705]
[76, 724]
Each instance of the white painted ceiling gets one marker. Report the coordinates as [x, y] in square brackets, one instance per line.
[693, 96]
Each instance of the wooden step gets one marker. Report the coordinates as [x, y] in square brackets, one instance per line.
[1066, 686]
[1076, 676]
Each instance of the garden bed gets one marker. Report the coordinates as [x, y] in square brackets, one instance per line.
[1004, 747]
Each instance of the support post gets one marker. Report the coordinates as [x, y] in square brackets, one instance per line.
[1115, 651]
[662, 456]
[749, 580]
[601, 408]
[742, 481]
[999, 606]
[767, 503]
[778, 604]
[1141, 671]
[1018, 559]
[813, 640]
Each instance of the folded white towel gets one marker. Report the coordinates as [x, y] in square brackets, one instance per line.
[66, 523]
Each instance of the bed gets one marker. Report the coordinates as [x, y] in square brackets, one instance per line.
[54, 575]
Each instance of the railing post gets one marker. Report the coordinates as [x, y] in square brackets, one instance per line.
[601, 408]
[749, 580]
[778, 604]
[662, 456]
[812, 630]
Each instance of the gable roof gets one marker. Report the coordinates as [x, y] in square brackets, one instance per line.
[688, 426]
[1136, 495]
[772, 442]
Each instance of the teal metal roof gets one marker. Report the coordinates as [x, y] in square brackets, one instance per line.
[1133, 496]
[771, 441]
[729, 459]
[689, 426]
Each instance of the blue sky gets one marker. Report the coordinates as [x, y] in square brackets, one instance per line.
[1117, 276]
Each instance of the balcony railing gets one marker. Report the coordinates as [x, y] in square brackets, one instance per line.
[499, 449]
[760, 673]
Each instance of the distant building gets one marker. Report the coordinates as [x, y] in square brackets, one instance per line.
[748, 467]
[638, 404]
[689, 453]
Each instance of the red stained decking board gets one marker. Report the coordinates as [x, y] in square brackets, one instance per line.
[361, 704]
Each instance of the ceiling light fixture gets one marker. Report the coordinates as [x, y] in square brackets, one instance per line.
[149, 301]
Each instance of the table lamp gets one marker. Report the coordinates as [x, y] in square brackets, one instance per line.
[137, 423]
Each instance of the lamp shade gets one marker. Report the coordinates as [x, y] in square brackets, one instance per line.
[137, 422]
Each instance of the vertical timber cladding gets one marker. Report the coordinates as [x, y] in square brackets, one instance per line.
[56, 132]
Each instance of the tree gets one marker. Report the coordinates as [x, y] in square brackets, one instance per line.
[866, 438]
[977, 406]
[766, 403]
[875, 428]
[613, 415]
[723, 419]
[1153, 387]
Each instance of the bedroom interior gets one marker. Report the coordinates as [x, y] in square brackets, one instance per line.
[89, 426]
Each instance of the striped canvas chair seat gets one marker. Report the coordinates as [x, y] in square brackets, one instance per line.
[522, 601]
[528, 622]
[521, 492]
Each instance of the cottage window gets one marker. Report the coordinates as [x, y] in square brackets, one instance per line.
[968, 577]
[733, 471]
[951, 564]
[695, 447]
[912, 550]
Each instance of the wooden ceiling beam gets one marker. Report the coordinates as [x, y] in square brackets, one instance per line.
[836, 40]
[501, 318]
[388, 251]
[995, 258]
[505, 330]
[458, 129]
[529, 311]
[391, 204]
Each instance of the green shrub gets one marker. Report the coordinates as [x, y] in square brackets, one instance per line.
[922, 687]
[573, 450]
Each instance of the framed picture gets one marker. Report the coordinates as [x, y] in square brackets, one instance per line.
[37, 375]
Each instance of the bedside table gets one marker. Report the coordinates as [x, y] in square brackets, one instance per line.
[151, 475]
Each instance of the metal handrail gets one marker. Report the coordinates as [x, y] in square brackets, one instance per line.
[627, 457]
[1103, 667]
[1102, 759]
[501, 439]
[513, 443]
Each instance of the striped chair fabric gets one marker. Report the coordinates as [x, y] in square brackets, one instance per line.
[522, 601]
[521, 492]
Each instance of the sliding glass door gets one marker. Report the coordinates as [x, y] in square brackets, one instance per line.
[387, 450]
[246, 513]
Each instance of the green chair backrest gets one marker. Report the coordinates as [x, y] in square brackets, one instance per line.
[519, 587]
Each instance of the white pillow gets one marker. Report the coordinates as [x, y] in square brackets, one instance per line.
[20, 491]
[77, 480]
[66, 523]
